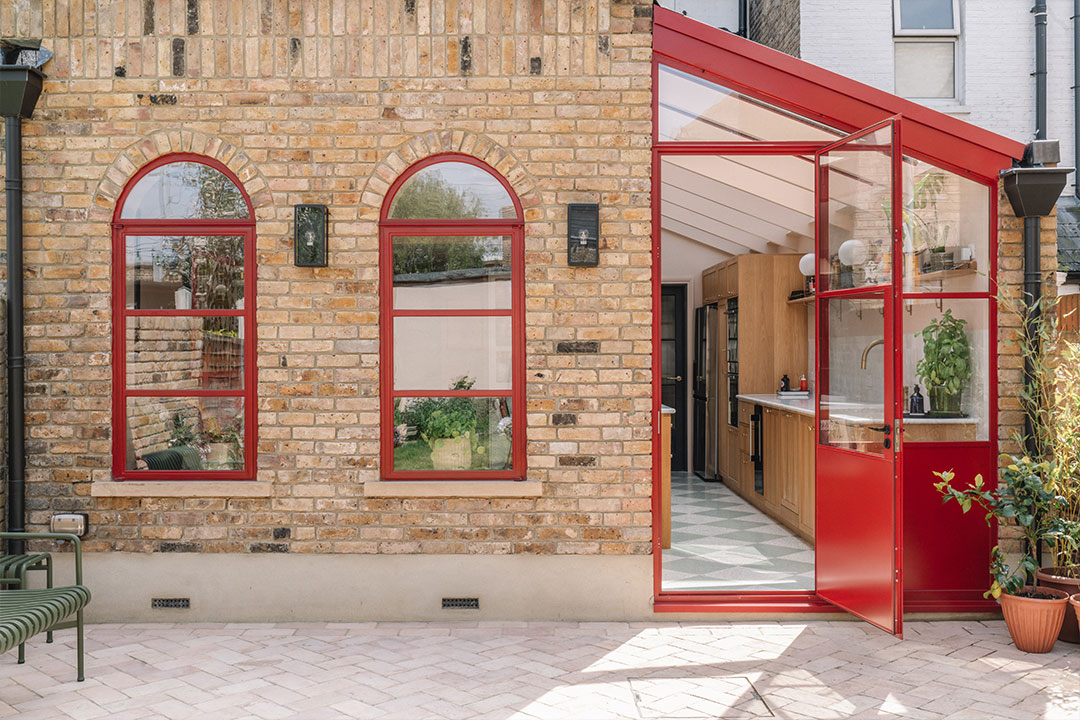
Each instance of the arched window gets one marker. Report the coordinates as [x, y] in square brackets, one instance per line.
[453, 356]
[183, 324]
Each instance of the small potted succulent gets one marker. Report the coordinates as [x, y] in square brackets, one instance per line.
[945, 366]
[1033, 613]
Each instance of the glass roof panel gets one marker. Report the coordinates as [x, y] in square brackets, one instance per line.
[692, 109]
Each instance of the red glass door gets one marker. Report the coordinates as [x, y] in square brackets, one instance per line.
[858, 490]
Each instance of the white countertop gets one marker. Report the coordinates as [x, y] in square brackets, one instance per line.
[805, 406]
[801, 406]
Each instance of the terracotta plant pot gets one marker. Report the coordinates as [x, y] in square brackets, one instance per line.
[1074, 600]
[1058, 579]
[1034, 623]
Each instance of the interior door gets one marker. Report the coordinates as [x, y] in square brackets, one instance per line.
[674, 379]
[858, 404]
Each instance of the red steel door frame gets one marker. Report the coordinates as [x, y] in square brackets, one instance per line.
[859, 555]
[843, 103]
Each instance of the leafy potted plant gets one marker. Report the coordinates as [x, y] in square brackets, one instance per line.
[945, 366]
[448, 426]
[1033, 614]
[222, 441]
[1062, 438]
[1051, 401]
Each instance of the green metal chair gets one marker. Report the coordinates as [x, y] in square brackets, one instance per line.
[25, 613]
[13, 572]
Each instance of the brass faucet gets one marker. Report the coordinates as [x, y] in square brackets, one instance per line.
[871, 346]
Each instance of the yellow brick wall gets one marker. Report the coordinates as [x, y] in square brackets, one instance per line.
[327, 102]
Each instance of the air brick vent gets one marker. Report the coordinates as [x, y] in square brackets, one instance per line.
[175, 603]
[461, 603]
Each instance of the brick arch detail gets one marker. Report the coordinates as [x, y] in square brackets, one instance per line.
[166, 142]
[446, 141]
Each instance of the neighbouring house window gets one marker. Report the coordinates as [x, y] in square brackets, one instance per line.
[184, 324]
[926, 48]
[452, 298]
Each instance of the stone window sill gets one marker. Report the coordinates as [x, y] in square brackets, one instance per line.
[452, 488]
[184, 489]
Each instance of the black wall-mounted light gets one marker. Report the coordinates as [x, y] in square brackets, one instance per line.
[311, 228]
[583, 234]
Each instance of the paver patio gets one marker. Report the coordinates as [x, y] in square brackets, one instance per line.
[503, 670]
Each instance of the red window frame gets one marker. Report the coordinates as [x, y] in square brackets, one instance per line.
[390, 228]
[121, 228]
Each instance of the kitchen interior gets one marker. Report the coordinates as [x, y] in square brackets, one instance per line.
[737, 391]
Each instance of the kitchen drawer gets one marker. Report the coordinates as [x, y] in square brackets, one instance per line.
[745, 439]
[745, 411]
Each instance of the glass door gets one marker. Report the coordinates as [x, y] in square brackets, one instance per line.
[857, 463]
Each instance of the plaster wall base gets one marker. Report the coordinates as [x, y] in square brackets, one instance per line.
[352, 588]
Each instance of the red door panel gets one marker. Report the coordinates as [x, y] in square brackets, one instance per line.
[858, 506]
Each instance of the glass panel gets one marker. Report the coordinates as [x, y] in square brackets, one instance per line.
[947, 360]
[456, 272]
[946, 231]
[926, 14]
[852, 373]
[858, 238]
[925, 69]
[739, 203]
[453, 433]
[183, 272]
[667, 360]
[183, 353]
[667, 316]
[695, 110]
[459, 353]
[452, 191]
[184, 191]
[185, 433]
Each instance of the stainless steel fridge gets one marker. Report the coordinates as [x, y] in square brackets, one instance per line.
[707, 392]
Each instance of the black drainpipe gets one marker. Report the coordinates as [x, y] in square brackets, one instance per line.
[1032, 240]
[20, 87]
[16, 463]
[1076, 92]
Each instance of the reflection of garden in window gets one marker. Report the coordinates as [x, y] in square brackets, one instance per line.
[185, 328]
[451, 320]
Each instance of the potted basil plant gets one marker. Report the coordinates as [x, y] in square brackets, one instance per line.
[1033, 613]
[945, 366]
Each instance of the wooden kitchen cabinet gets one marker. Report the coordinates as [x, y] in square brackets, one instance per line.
[788, 462]
[807, 448]
[710, 285]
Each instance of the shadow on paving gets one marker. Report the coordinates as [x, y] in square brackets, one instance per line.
[504, 670]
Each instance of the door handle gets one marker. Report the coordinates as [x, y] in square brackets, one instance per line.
[882, 428]
[676, 378]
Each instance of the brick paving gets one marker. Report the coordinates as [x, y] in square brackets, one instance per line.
[508, 670]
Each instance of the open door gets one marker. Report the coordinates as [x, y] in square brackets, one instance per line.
[858, 404]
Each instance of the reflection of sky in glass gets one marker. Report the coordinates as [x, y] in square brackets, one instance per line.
[472, 182]
[184, 191]
[692, 108]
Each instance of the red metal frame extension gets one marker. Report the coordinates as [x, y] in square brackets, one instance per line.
[847, 105]
[121, 229]
[388, 230]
